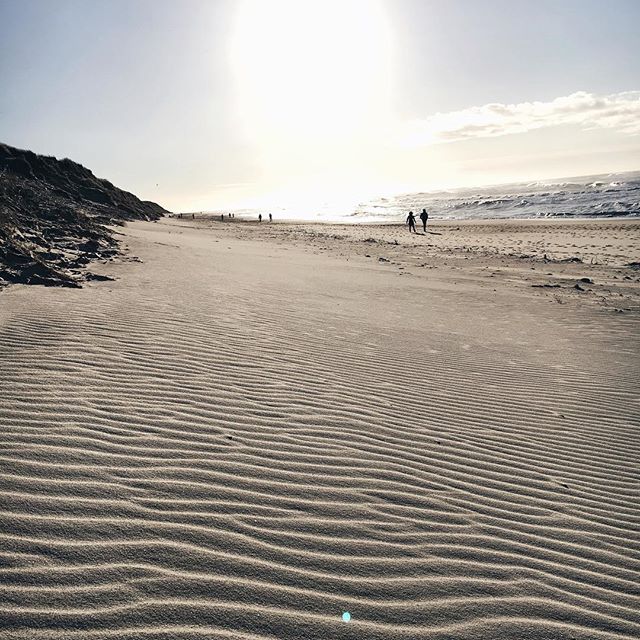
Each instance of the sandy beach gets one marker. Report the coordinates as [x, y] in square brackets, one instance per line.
[255, 429]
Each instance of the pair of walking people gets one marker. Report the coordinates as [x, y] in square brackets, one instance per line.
[411, 221]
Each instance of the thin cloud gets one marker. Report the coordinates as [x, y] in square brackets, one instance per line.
[619, 111]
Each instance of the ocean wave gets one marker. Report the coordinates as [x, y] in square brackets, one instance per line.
[610, 195]
[599, 196]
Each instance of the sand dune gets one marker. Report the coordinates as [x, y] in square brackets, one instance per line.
[243, 439]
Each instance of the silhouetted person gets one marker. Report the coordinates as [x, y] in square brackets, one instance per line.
[270, 218]
[411, 221]
[259, 217]
[222, 217]
[193, 216]
[424, 216]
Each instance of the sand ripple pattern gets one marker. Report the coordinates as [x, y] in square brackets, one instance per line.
[184, 459]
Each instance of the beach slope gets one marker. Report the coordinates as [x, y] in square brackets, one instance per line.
[244, 438]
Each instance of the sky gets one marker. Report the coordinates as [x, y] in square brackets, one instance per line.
[226, 104]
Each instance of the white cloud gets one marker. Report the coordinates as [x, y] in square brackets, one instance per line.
[619, 111]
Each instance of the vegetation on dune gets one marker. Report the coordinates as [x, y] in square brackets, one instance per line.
[54, 216]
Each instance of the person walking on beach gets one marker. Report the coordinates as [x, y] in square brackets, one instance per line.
[424, 216]
[411, 221]
[259, 217]
[270, 218]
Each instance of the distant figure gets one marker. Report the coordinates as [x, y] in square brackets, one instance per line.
[270, 218]
[411, 221]
[259, 217]
[193, 216]
[424, 216]
[222, 217]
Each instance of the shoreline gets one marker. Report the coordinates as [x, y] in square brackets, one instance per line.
[514, 225]
[432, 221]
[432, 218]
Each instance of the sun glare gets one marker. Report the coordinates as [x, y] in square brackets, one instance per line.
[312, 84]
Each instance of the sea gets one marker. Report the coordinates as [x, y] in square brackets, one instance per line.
[611, 195]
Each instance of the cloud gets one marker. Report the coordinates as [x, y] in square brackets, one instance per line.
[619, 111]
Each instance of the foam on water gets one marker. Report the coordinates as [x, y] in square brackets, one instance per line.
[597, 196]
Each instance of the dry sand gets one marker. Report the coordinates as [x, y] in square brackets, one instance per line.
[245, 437]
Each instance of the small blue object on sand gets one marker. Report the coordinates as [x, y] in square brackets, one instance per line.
[346, 616]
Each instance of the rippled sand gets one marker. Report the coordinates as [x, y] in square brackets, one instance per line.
[245, 438]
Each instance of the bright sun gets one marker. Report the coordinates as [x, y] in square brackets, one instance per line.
[312, 82]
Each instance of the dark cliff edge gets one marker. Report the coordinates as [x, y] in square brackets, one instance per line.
[53, 217]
